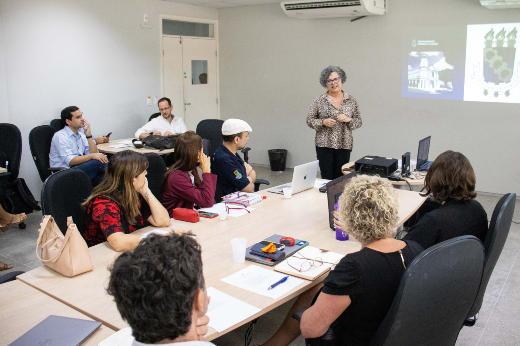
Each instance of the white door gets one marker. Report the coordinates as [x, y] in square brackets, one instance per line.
[172, 74]
[199, 61]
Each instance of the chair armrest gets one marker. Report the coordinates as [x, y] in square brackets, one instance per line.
[262, 181]
[56, 169]
[245, 150]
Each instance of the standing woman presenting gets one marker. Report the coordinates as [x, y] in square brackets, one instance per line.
[333, 115]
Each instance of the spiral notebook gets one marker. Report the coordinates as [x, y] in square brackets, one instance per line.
[315, 255]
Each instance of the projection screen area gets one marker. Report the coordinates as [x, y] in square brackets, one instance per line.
[473, 63]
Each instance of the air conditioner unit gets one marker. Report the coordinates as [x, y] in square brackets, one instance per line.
[334, 8]
[500, 4]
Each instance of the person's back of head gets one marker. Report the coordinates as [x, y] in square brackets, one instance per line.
[368, 208]
[451, 176]
[118, 183]
[159, 288]
[66, 114]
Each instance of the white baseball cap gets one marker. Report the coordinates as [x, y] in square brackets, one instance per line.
[235, 126]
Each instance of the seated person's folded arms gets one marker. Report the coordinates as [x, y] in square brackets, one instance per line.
[159, 290]
[451, 182]
[182, 187]
[122, 203]
[233, 174]
[166, 124]
[358, 293]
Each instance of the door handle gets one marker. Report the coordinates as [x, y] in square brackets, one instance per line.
[187, 104]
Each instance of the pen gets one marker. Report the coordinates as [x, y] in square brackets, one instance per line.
[278, 282]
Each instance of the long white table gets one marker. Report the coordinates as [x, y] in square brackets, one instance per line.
[304, 216]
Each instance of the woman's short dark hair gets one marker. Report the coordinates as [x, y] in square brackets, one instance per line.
[66, 114]
[155, 285]
[327, 71]
[451, 176]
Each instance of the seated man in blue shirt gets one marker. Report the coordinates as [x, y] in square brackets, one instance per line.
[73, 148]
[233, 174]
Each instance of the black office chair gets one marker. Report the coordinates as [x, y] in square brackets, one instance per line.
[40, 139]
[156, 170]
[20, 199]
[434, 296]
[211, 129]
[10, 276]
[11, 145]
[153, 116]
[493, 245]
[62, 195]
[56, 124]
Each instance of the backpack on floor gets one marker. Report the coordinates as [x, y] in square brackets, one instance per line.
[19, 199]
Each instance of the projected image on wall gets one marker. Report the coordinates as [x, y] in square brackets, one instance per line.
[429, 73]
[492, 63]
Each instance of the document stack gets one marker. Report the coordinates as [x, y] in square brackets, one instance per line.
[243, 198]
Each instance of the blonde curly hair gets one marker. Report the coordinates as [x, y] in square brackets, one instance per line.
[368, 208]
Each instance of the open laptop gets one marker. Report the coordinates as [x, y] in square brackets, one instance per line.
[304, 178]
[422, 156]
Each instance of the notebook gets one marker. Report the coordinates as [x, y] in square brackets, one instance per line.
[289, 250]
[58, 331]
[313, 272]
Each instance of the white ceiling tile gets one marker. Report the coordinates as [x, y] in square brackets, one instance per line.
[219, 4]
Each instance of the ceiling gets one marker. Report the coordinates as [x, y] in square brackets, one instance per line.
[225, 3]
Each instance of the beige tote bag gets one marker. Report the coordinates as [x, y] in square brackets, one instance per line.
[67, 255]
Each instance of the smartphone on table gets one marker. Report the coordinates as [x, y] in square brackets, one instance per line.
[207, 214]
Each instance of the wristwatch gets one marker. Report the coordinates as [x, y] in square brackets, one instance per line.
[89, 137]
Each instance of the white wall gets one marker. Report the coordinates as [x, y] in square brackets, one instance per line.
[270, 66]
[88, 53]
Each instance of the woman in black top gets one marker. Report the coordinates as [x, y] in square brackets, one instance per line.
[451, 183]
[358, 293]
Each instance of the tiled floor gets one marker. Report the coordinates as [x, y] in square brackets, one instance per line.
[498, 324]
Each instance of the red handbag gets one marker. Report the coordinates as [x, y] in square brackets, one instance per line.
[184, 214]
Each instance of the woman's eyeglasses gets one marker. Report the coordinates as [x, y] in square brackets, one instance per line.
[228, 208]
[305, 265]
[331, 81]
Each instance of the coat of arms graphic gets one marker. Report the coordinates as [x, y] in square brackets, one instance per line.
[497, 72]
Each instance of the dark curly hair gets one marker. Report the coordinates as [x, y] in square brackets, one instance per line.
[451, 176]
[327, 72]
[154, 286]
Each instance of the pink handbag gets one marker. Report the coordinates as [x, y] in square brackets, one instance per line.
[67, 255]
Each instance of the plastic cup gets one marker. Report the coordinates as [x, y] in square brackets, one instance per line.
[287, 191]
[239, 249]
[222, 216]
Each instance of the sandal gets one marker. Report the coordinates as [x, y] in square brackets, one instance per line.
[5, 266]
[19, 219]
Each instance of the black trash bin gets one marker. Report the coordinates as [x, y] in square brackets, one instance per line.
[277, 159]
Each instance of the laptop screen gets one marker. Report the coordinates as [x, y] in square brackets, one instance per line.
[424, 150]
[335, 189]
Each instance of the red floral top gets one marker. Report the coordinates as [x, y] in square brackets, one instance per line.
[104, 217]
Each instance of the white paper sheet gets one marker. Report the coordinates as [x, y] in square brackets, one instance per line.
[119, 146]
[154, 231]
[122, 338]
[225, 311]
[257, 279]
[221, 208]
[126, 141]
[320, 183]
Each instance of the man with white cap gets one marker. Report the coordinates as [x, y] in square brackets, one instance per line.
[233, 174]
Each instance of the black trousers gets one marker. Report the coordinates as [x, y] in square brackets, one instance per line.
[331, 161]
